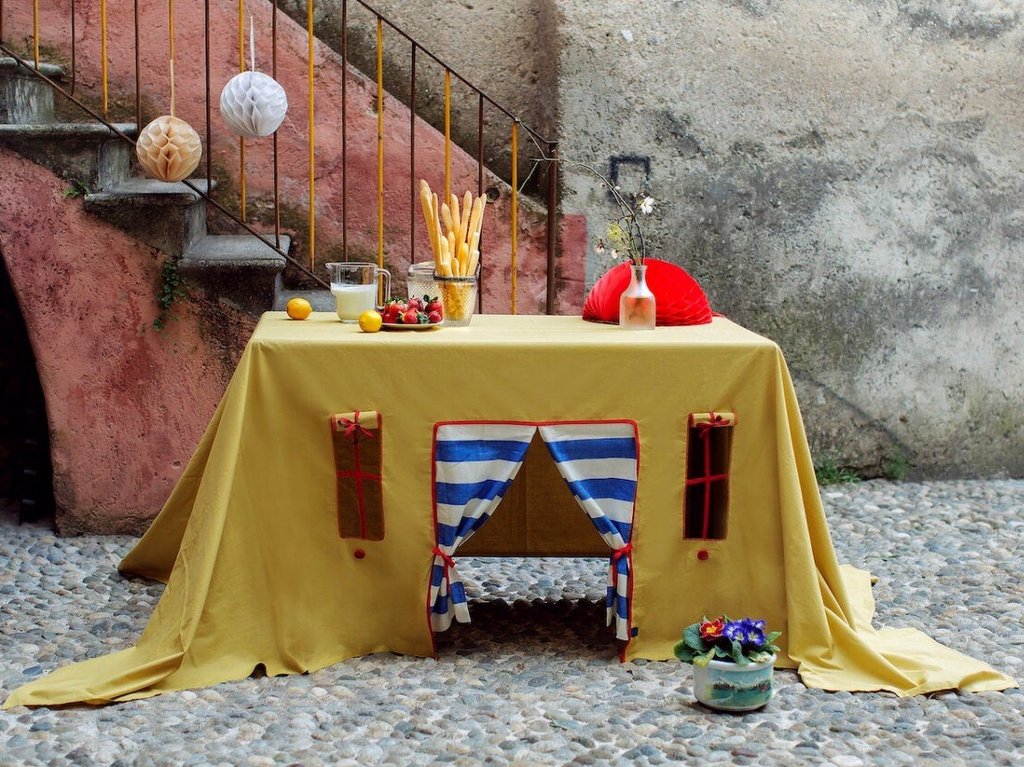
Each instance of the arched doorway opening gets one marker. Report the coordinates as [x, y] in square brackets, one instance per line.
[26, 474]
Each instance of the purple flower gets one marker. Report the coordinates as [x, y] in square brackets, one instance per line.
[748, 632]
[734, 631]
[755, 632]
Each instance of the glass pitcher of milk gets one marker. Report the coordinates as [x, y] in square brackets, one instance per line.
[354, 285]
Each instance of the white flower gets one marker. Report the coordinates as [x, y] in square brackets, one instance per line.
[646, 205]
[599, 248]
[615, 254]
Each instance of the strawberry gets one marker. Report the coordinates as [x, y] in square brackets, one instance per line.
[411, 317]
[434, 317]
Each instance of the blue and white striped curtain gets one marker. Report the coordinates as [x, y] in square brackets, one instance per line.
[473, 466]
[599, 463]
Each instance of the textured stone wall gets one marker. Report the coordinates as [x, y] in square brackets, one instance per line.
[844, 177]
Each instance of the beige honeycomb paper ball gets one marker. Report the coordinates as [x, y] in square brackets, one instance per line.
[253, 104]
[169, 148]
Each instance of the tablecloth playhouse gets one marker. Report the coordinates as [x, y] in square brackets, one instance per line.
[322, 514]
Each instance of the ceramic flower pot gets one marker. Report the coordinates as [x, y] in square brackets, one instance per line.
[726, 686]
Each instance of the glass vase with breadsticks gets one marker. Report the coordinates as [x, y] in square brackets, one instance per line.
[454, 233]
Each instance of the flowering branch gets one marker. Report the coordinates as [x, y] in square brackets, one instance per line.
[625, 231]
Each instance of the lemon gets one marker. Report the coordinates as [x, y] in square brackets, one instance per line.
[370, 321]
[299, 308]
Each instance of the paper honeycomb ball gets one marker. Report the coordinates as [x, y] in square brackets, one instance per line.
[169, 148]
[253, 104]
[679, 298]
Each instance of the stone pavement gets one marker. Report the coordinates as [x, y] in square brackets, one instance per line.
[534, 680]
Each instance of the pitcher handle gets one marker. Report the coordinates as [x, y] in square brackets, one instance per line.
[387, 284]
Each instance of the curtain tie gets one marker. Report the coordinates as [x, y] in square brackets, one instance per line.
[449, 563]
[620, 553]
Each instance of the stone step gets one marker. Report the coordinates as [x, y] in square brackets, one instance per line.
[24, 98]
[168, 216]
[90, 155]
[240, 268]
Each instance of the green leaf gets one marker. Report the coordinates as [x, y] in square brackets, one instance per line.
[737, 654]
[703, 660]
[683, 652]
[691, 635]
[721, 652]
[771, 636]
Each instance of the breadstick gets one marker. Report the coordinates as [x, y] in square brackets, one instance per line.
[453, 253]
[476, 221]
[474, 252]
[446, 218]
[437, 226]
[431, 225]
[467, 217]
[453, 205]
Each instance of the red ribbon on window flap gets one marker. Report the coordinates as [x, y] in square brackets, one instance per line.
[704, 428]
[351, 428]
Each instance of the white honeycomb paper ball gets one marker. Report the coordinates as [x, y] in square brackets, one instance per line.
[169, 149]
[253, 104]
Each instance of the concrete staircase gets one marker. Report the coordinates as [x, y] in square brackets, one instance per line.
[99, 165]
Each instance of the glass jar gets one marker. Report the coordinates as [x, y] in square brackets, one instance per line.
[420, 280]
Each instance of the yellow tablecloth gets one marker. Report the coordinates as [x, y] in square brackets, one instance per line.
[257, 574]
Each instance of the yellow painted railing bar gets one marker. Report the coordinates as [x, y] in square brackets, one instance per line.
[170, 43]
[447, 134]
[312, 151]
[515, 214]
[380, 141]
[241, 139]
[104, 73]
[35, 31]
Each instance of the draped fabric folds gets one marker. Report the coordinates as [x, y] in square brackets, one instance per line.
[474, 464]
[599, 464]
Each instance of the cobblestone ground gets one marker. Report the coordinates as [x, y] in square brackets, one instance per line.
[534, 680]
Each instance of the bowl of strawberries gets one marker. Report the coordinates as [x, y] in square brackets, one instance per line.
[414, 313]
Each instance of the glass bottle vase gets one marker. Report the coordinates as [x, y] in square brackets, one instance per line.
[637, 306]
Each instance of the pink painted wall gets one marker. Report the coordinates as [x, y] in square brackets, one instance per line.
[362, 135]
[126, 404]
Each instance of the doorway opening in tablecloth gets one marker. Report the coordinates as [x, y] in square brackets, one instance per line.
[473, 469]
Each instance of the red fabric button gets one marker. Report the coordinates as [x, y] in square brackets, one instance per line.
[359, 554]
[703, 555]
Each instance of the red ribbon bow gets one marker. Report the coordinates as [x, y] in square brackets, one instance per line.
[351, 428]
[704, 428]
[620, 553]
[448, 561]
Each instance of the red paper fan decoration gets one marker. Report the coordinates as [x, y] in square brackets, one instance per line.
[679, 298]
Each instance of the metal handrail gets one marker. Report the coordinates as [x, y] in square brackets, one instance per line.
[124, 136]
[549, 149]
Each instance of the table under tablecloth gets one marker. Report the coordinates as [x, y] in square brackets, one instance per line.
[257, 573]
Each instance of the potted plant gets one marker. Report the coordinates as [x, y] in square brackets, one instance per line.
[732, 662]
